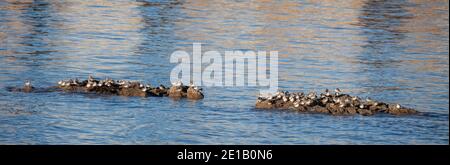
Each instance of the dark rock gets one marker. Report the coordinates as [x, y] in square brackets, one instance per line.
[132, 92]
[351, 110]
[121, 87]
[334, 104]
[264, 105]
[160, 92]
[364, 112]
[397, 110]
[338, 111]
[301, 108]
[319, 109]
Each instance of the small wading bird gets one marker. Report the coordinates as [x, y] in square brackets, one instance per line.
[337, 91]
[27, 87]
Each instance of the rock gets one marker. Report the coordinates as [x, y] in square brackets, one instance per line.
[364, 112]
[27, 87]
[286, 105]
[264, 105]
[177, 91]
[194, 93]
[334, 104]
[338, 111]
[132, 92]
[379, 107]
[397, 110]
[301, 108]
[319, 109]
[351, 110]
[111, 87]
[158, 92]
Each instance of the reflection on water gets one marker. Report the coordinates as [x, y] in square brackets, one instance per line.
[393, 51]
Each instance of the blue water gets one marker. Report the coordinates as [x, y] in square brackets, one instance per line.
[391, 51]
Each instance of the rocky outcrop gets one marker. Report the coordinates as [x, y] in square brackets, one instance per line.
[119, 87]
[179, 90]
[195, 93]
[335, 103]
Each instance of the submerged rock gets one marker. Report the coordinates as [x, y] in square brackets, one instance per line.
[335, 103]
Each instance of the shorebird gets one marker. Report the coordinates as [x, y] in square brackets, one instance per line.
[309, 102]
[361, 106]
[375, 104]
[312, 95]
[338, 91]
[27, 87]
[27, 83]
[325, 100]
[336, 100]
[278, 93]
[197, 88]
[285, 99]
[179, 83]
[327, 93]
[346, 100]
[279, 96]
[90, 78]
[291, 98]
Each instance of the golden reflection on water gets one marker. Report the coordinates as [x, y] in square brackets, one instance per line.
[87, 30]
[307, 30]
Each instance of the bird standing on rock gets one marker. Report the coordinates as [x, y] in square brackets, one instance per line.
[90, 78]
[27, 87]
[327, 93]
[176, 90]
[337, 91]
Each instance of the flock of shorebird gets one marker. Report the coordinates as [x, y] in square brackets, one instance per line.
[336, 103]
[122, 87]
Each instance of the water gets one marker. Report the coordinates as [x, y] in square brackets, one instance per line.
[391, 51]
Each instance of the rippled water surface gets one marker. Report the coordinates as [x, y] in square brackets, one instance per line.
[391, 51]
